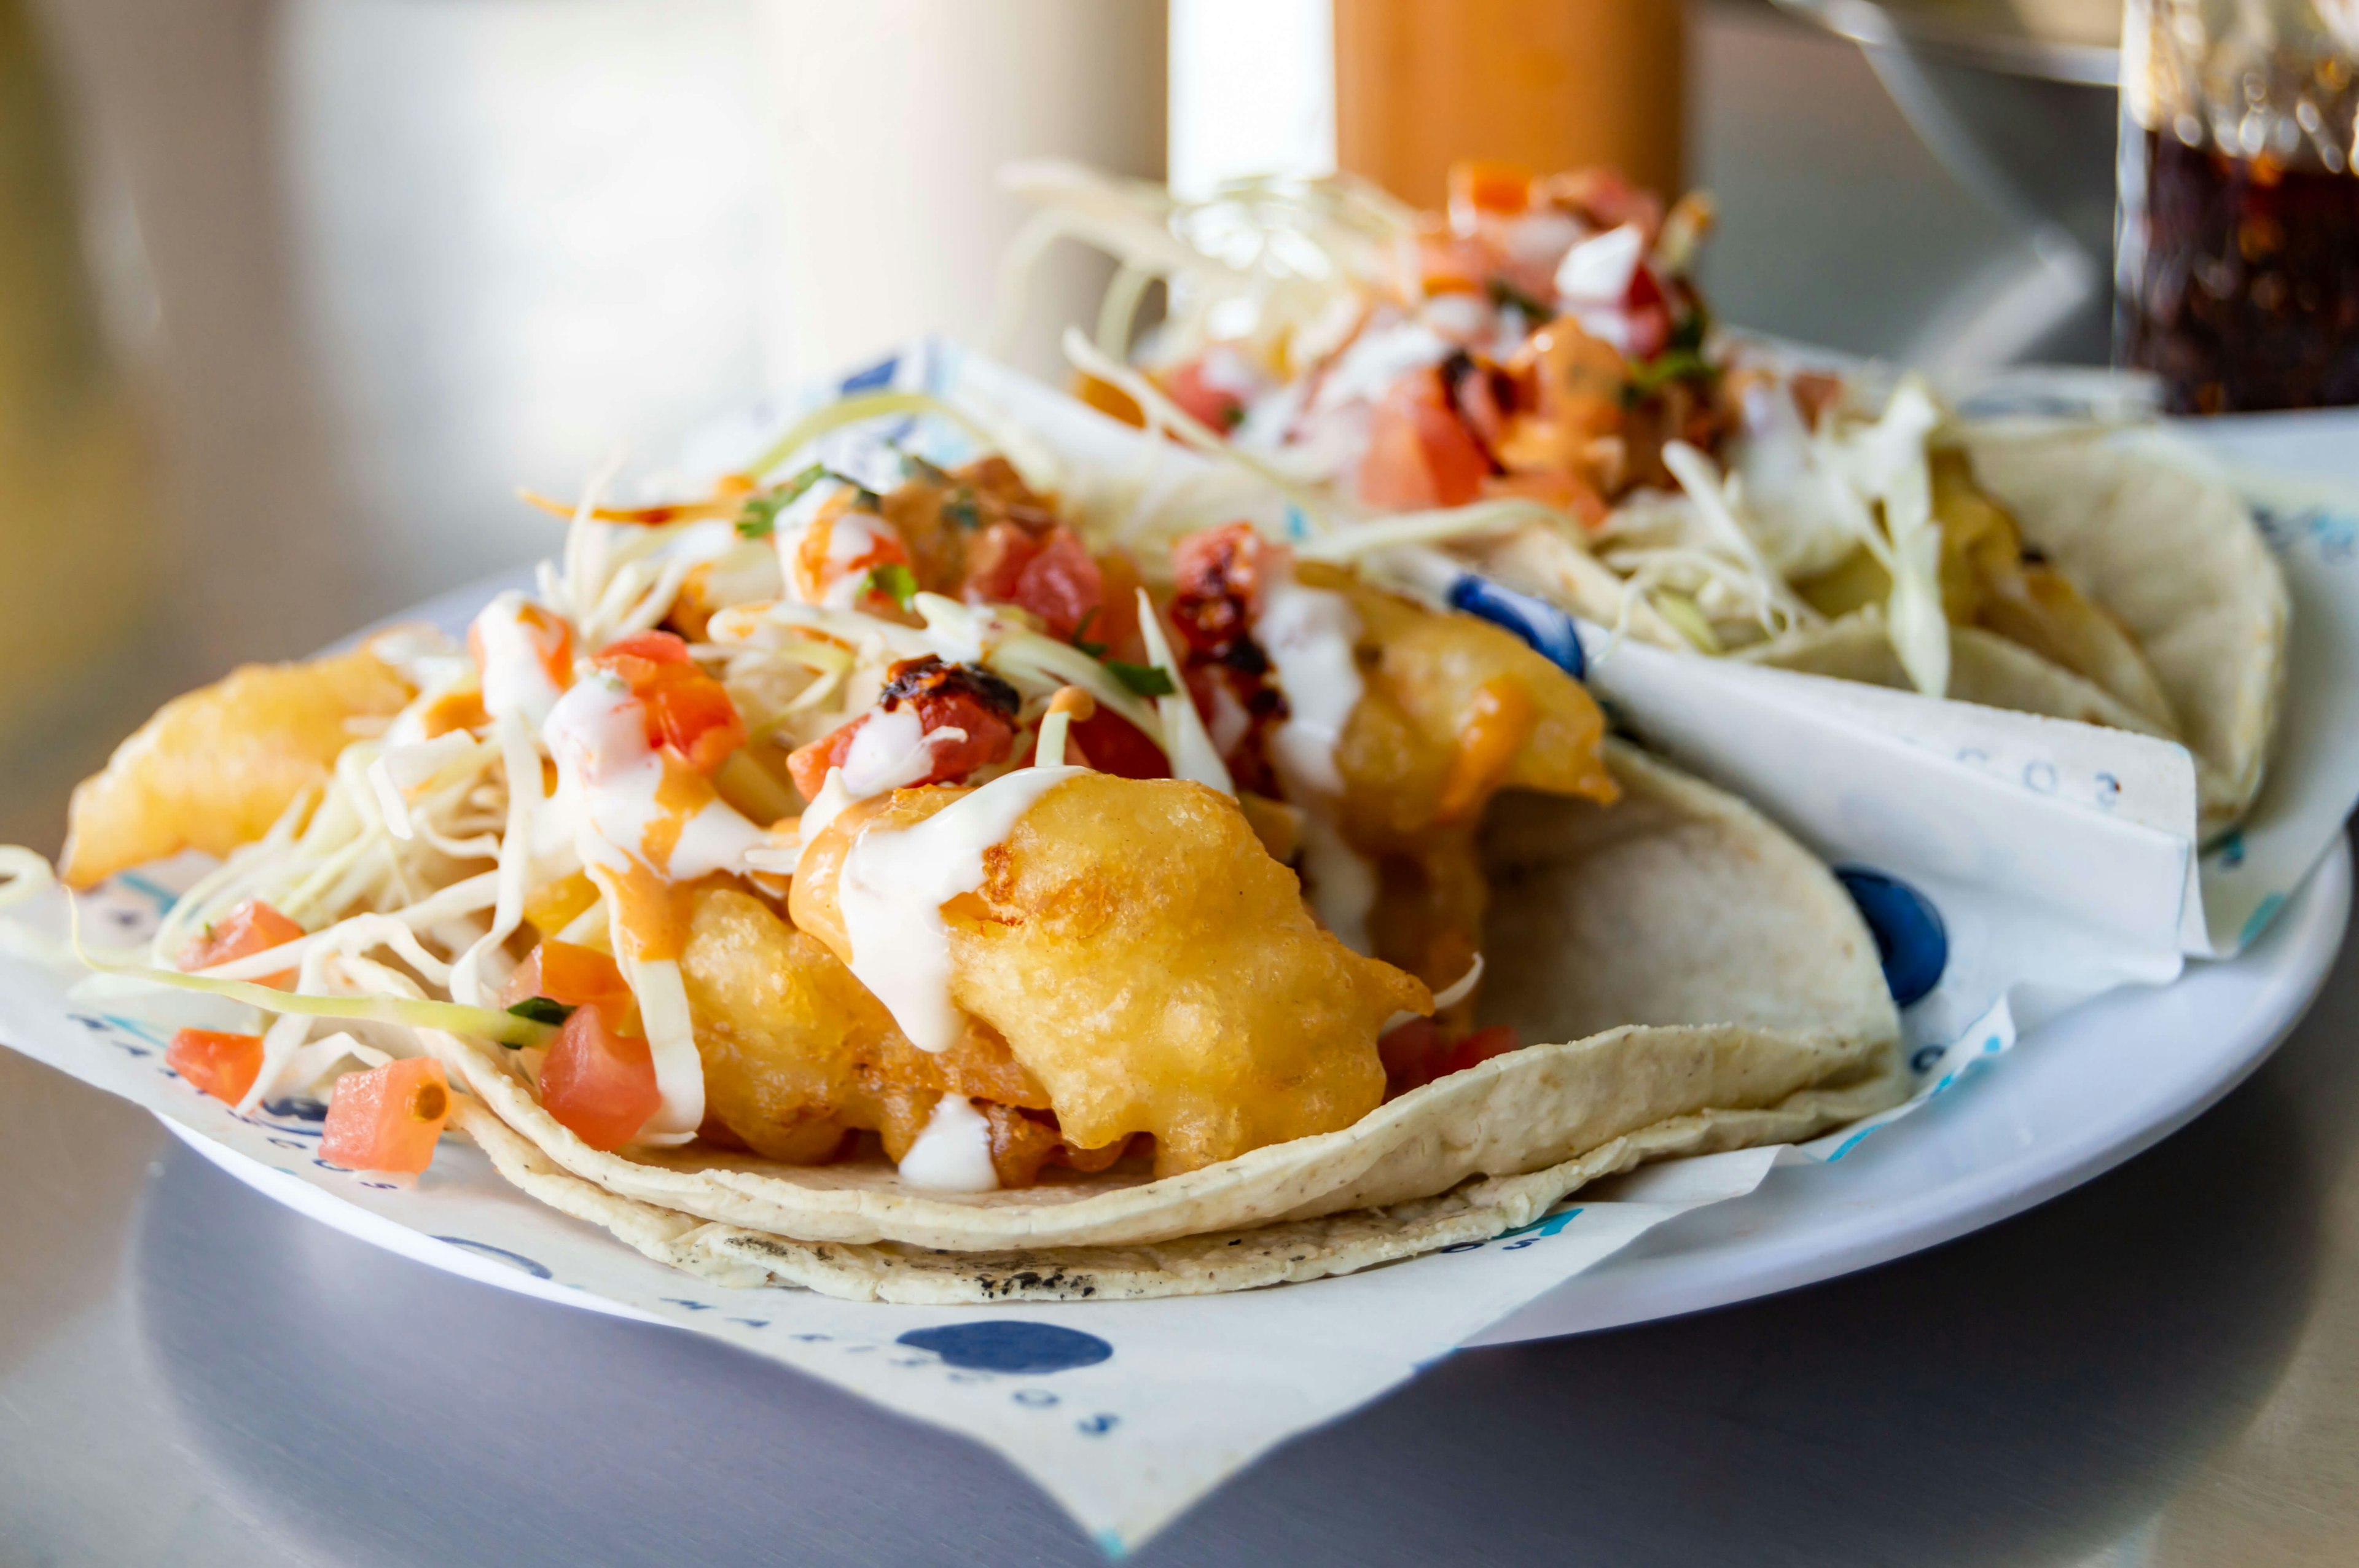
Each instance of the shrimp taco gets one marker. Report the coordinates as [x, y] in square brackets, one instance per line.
[890, 883]
[1536, 376]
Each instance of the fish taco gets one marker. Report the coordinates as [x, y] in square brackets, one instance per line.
[888, 882]
[1535, 377]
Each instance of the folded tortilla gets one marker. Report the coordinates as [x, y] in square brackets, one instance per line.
[2167, 550]
[1710, 984]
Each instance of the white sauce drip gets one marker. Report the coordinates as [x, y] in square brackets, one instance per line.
[608, 778]
[953, 1154]
[1307, 633]
[516, 682]
[892, 749]
[1376, 360]
[893, 887]
[850, 537]
[1598, 270]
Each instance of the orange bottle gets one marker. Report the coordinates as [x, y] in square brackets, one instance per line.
[1550, 84]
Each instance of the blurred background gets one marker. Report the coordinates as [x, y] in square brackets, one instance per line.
[295, 293]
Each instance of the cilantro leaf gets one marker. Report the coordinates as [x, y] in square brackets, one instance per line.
[895, 582]
[541, 1010]
[1670, 365]
[760, 518]
[1504, 294]
[1145, 680]
[1081, 635]
[915, 466]
[961, 508]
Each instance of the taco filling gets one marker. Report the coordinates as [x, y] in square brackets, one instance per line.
[1543, 342]
[824, 823]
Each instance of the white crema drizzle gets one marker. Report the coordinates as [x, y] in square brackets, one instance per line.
[953, 1154]
[893, 887]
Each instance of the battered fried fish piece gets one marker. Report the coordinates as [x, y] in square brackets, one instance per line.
[214, 769]
[1452, 709]
[797, 1053]
[1151, 965]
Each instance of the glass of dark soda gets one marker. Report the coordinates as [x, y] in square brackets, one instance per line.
[2238, 255]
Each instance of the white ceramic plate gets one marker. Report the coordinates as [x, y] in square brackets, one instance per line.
[2076, 1096]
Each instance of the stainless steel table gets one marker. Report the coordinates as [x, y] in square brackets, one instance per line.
[2155, 1368]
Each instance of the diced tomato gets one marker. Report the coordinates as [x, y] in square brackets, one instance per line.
[224, 1066]
[687, 710]
[252, 928]
[995, 560]
[1480, 188]
[574, 976]
[1216, 407]
[1414, 1053]
[1420, 454]
[389, 1117]
[946, 696]
[1113, 744]
[1052, 575]
[1232, 559]
[598, 1082]
[1061, 584]
[1648, 313]
[808, 765]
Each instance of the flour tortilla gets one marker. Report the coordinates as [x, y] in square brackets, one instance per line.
[2169, 549]
[1712, 986]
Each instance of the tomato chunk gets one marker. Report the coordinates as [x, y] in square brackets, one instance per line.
[687, 710]
[946, 696]
[598, 1082]
[1415, 1055]
[1420, 453]
[1476, 187]
[252, 928]
[224, 1066]
[1218, 407]
[1051, 574]
[573, 975]
[389, 1117]
[1218, 579]
[1113, 744]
